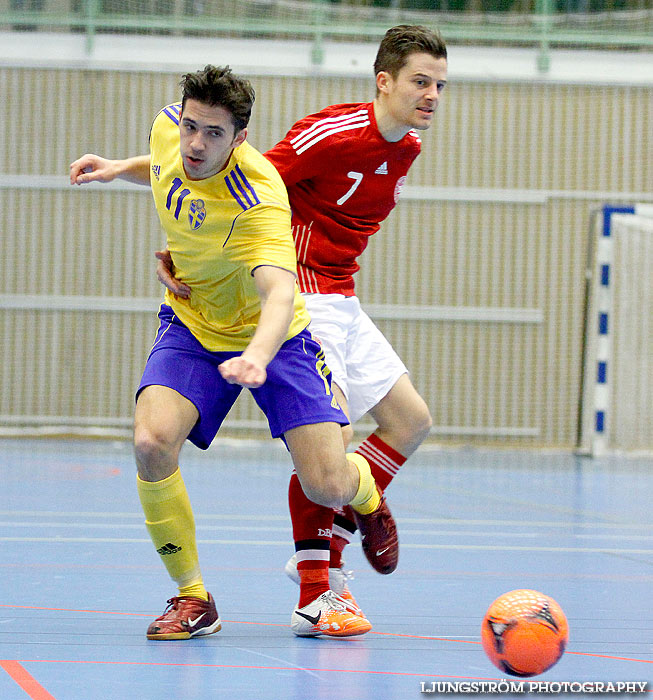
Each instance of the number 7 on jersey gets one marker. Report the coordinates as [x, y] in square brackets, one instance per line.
[357, 178]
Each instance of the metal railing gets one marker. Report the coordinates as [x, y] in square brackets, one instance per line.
[319, 21]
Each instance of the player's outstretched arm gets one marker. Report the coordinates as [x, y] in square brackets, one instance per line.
[92, 168]
[276, 287]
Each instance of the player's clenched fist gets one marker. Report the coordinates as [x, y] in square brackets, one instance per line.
[240, 370]
[92, 168]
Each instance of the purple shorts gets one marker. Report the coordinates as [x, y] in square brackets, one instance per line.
[294, 393]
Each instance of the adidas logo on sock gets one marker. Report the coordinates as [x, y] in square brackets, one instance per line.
[382, 169]
[168, 549]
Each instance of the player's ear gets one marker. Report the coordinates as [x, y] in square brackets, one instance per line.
[383, 79]
[240, 137]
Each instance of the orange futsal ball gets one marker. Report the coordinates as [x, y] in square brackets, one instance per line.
[524, 633]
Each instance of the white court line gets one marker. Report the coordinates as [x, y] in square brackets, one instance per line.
[408, 520]
[282, 661]
[272, 528]
[114, 514]
[529, 523]
[284, 543]
[140, 526]
[132, 540]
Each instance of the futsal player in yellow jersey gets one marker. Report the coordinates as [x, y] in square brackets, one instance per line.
[220, 229]
[225, 213]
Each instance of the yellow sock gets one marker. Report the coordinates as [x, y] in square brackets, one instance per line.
[196, 590]
[367, 497]
[169, 520]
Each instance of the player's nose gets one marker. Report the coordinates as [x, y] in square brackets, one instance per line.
[197, 143]
[432, 95]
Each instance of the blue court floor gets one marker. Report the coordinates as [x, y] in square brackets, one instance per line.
[80, 581]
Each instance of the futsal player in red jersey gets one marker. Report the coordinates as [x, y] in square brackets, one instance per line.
[344, 168]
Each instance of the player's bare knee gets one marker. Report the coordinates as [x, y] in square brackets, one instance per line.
[152, 448]
[422, 423]
[326, 489]
[415, 424]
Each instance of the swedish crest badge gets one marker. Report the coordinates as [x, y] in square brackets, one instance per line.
[196, 213]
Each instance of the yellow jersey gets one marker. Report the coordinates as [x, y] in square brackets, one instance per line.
[218, 231]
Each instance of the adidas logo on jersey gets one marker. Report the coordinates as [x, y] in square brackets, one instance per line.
[382, 169]
[156, 169]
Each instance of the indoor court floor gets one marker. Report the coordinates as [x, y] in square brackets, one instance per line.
[80, 581]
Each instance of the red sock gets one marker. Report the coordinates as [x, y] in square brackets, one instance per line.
[384, 460]
[312, 525]
[313, 582]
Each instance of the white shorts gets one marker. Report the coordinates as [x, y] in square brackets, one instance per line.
[363, 363]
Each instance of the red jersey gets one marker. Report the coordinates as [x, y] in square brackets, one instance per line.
[343, 179]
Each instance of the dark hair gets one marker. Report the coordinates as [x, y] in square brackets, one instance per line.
[218, 86]
[405, 39]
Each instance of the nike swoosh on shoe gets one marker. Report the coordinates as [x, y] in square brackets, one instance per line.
[192, 623]
[313, 619]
